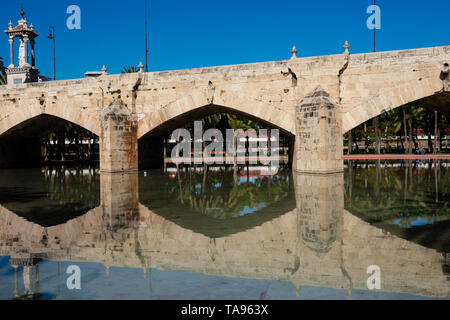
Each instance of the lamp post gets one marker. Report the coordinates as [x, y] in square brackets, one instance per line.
[146, 41]
[374, 31]
[51, 36]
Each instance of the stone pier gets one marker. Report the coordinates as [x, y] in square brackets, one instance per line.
[319, 133]
[118, 142]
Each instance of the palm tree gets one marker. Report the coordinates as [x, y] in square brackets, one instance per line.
[2, 73]
[377, 134]
[130, 69]
[437, 145]
[404, 123]
[416, 117]
[443, 124]
[392, 122]
[405, 128]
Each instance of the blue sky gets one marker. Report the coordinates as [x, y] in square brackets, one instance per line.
[198, 33]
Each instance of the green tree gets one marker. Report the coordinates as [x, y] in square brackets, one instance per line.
[2, 73]
[130, 69]
[405, 123]
[217, 195]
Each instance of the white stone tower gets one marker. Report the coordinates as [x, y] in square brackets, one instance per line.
[24, 72]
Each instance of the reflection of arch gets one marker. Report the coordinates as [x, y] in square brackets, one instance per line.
[155, 199]
[194, 106]
[13, 225]
[390, 98]
[265, 252]
[216, 228]
[29, 194]
[72, 114]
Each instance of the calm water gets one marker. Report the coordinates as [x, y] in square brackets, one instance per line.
[226, 233]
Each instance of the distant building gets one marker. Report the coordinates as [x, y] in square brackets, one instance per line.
[93, 74]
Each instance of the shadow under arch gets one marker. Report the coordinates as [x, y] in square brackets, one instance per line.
[151, 135]
[20, 145]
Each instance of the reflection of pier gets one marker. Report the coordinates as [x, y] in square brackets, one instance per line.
[316, 244]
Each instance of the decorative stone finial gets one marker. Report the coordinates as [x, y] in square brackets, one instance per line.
[104, 70]
[31, 27]
[10, 25]
[294, 52]
[22, 21]
[346, 47]
[141, 67]
[210, 90]
[445, 69]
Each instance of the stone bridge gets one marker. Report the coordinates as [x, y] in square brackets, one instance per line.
[316, 243]
[313, 101]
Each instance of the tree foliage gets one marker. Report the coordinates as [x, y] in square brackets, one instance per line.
[419, 121]
[2, 73]
[130, 69]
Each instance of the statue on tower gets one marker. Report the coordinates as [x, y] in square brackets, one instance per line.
[23, 54]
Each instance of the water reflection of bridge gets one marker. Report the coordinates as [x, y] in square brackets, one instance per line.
[317, 243]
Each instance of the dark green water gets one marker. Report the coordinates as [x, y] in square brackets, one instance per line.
[226, 233]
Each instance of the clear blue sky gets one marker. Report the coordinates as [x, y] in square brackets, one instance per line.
[197, 33]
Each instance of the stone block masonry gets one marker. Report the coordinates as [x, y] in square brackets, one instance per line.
[319, 133]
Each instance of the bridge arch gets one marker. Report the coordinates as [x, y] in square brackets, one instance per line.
[197, 106]
[71, 114]
[162, 122]
[426, 90]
